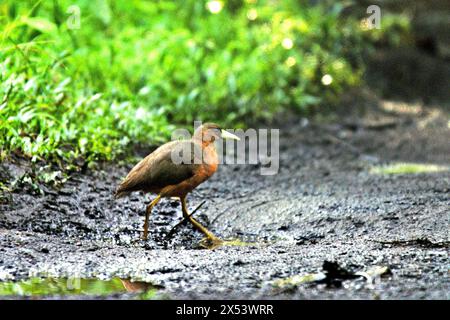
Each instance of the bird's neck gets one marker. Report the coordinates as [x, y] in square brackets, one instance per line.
[209, 152]
[210, 158]
[204, 144]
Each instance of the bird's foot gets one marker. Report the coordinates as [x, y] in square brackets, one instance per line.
[238, 243]
[211, 242]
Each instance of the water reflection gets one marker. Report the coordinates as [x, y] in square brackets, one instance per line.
[35, 287]
[138, 286]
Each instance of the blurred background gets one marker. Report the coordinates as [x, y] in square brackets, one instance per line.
[84, 81]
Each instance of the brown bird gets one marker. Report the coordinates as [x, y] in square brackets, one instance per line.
[175, 169]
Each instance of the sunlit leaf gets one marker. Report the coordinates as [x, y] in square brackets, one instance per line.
[38, 23]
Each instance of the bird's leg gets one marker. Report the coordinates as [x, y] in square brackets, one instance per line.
[171, 232]
[209, 235]
[147, 215]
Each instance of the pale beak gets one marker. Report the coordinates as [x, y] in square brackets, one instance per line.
[228, 135]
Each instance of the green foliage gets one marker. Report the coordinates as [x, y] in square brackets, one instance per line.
[35, 287]
[134, 68]
[408, 168]
[395, 30]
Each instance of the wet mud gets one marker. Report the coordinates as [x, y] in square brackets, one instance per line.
[326, 204]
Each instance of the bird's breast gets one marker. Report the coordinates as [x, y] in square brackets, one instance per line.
[210, 161]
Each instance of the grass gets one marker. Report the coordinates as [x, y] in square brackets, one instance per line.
[135, 70]
[407, 168]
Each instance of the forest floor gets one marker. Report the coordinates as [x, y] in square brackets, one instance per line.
[366, 187]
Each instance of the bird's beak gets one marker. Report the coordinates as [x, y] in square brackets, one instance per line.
[228, 135]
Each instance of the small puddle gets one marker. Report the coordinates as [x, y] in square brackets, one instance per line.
[47, 287]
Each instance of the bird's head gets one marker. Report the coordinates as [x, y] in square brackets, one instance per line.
[210, 132]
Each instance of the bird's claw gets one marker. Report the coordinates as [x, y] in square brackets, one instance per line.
[211, 243]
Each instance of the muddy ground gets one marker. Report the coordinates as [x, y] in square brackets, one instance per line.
[325, 204]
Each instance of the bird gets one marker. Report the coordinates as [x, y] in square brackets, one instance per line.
[175, 169]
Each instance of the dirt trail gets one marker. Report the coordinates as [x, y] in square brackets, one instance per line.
[325, 204]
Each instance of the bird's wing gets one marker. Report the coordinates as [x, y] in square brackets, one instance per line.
[158, 170]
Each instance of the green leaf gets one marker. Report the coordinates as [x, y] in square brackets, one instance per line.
[39, 23]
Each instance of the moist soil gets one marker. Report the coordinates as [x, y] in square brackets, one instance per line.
[326, 204]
